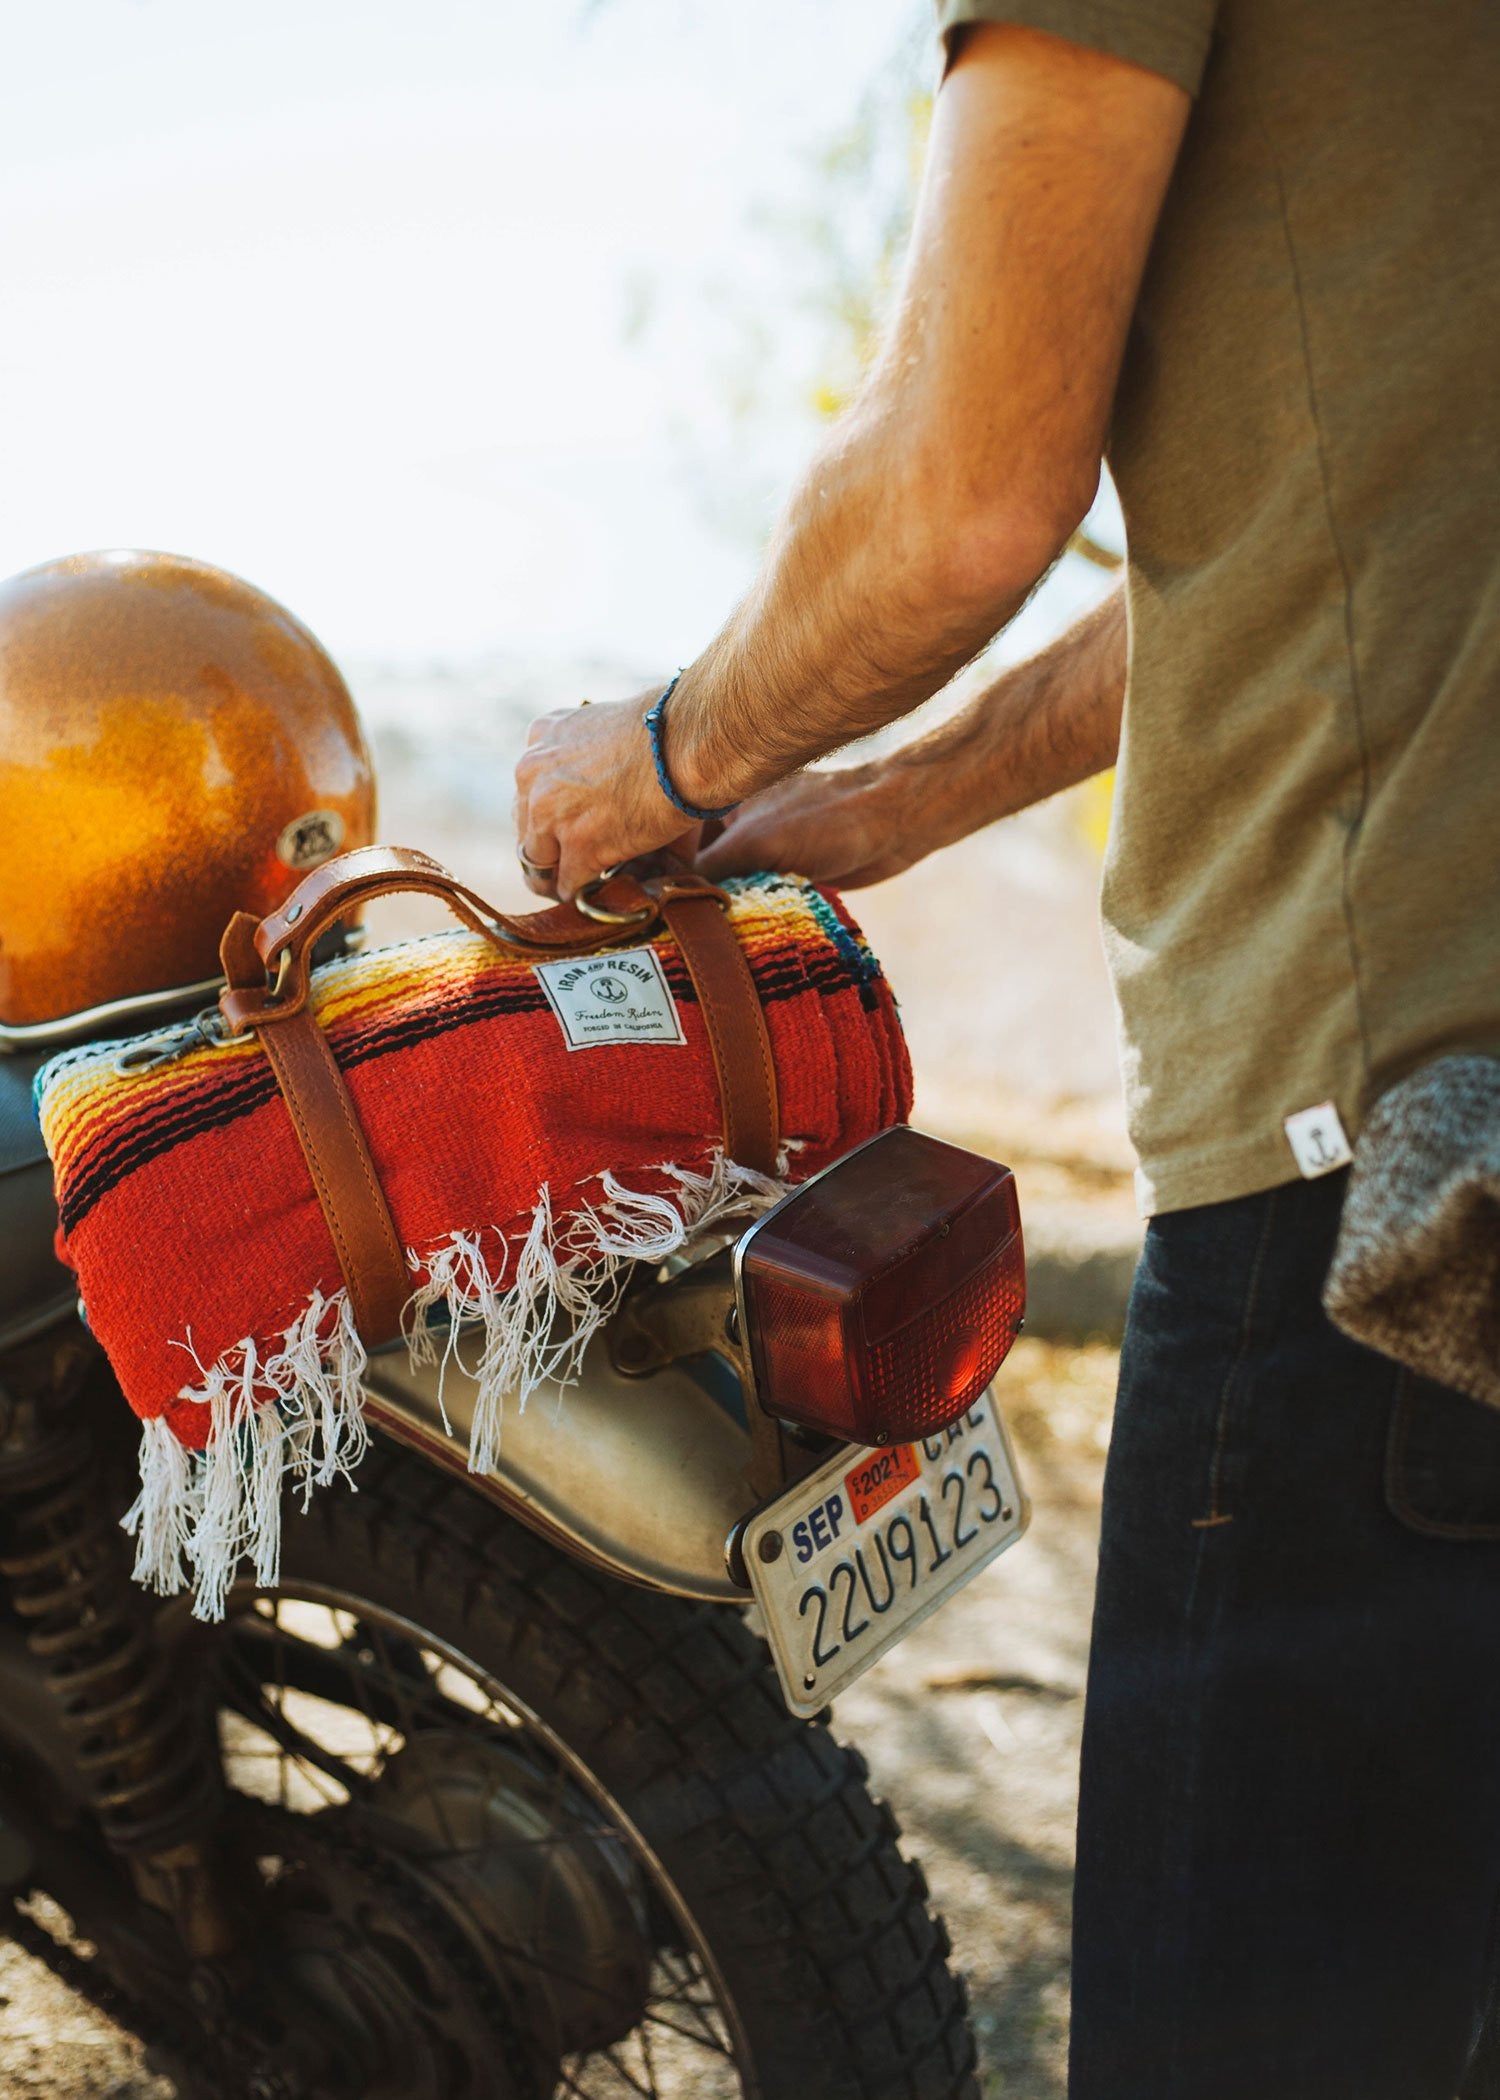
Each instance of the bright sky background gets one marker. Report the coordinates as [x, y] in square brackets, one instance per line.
[335, 293]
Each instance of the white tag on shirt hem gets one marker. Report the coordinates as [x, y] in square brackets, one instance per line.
[1316, 1136]
[622, 997]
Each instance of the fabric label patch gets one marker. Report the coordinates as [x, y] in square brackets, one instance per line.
[1317, 1139]
[622, 997]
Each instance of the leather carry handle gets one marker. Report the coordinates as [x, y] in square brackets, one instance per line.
[282, 943]
[323, 1115]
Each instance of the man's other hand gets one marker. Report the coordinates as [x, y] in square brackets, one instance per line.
[587, 796]
[839, 827]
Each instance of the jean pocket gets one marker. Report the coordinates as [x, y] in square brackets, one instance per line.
[1442, 1464]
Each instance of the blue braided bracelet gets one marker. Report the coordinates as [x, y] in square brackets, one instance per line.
[664, 778]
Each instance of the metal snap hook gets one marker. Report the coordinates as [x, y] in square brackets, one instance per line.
[601, 912]
[206, 1031]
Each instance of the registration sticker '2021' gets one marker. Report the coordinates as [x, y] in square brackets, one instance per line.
[871, 1485]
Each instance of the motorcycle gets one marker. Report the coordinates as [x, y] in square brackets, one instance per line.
[520, 1783]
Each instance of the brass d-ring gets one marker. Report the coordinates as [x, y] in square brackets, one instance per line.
[584, 899]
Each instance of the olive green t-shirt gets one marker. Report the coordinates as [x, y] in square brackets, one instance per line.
[1302, 887]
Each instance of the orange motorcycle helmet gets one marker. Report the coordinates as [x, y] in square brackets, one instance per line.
[174, 746]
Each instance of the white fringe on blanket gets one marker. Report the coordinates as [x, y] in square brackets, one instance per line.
[299, 1411]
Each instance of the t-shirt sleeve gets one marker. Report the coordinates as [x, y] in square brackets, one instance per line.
[1170, 37]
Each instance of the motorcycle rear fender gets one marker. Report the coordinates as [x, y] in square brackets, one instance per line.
[642, 1476]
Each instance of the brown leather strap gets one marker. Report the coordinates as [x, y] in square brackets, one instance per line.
[318, 1100]
[343, 1174]
[283, 942]
[734, 1018]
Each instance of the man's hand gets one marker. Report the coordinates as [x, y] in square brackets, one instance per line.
[587, 798]
[840, 826]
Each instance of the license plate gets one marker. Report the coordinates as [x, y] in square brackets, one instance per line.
[848, 1561]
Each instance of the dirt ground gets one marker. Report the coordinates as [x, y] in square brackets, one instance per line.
[971, 1729]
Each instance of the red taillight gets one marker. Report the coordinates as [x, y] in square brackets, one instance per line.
[879, 1301]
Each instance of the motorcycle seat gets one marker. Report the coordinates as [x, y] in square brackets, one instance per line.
[36, 1290]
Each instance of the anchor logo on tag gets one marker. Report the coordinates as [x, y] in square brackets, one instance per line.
[1316, 1136]
[621, 997]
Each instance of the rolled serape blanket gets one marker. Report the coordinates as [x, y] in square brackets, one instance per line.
[528, 1155]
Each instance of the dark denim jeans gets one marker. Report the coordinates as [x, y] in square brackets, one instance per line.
[1289, 1826]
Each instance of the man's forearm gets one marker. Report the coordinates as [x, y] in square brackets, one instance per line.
[973, 451]
[857, 617]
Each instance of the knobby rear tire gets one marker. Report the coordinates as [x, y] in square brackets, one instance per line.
[836, 1968]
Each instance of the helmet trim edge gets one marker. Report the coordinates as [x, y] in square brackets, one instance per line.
[40, 1035]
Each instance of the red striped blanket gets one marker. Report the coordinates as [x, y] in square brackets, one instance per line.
[528, 1155]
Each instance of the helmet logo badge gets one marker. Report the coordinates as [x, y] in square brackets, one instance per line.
[308, 840]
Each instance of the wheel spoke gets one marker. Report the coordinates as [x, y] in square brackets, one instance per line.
[680, 1997]
[246, 1697]
[411, 1728]
[280, 1701]
[631, 2083]
[380, 1745]
[689, 2034]
[703, 2036]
